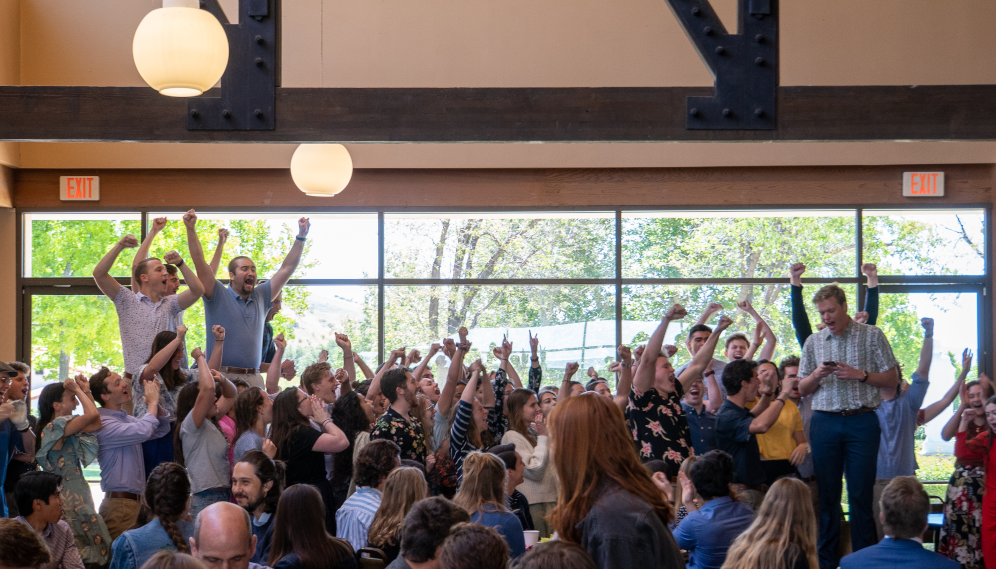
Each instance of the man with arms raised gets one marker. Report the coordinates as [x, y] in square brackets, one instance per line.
[241, 307]
[148, 310]
[654, 411]
[122, 465]
[843, 366]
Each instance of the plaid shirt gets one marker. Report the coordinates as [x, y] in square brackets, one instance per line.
[61, 544]
[860, 346]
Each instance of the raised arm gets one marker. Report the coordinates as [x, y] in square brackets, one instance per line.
[90, 420]
[931, 411]
[367, 372]
[228, 393]
[766, 419]
[194, 287]
[535, 370]
[332, 439]
[348, 365]
[445, 402]
[565, 385]
[624, 381]
[504, 353]
[219, 251]
[143, 250]
[643, 378]
[273, 372]
[101, 273]
[219, 347]
[424, 364]
[768, 336]
[205, 389]
[392, 358]
[713, 308]
[292, 259]
[951, 427]
[159, 359]
[207, 277]
[755, 343]
[704, 356]
[800, 319]
[871, 296]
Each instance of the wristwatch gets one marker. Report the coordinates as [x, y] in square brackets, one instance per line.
[865, 378]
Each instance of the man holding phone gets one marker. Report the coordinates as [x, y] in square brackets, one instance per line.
[843, 366]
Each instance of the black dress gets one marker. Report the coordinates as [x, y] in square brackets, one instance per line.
[305, 466]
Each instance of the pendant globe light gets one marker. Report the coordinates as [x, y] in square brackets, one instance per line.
[180, 50]
[321, 169]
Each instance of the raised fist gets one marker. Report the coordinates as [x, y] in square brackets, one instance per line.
[670, 350]
[571, 369]
[190, 218]
[158, 224]
[279, 341]
[222, 235]
[129, 241]
[181, 330]
[714, 307]
[928, 325]
[677, 312]
[196, 353]
[724, 323]
[172, 258]
[796, 270]
[303, 226]
[218, 332]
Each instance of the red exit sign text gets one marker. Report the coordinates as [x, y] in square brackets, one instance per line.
[79, 188]
[923, 184]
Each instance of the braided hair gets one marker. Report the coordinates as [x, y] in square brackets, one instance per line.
[166, 494]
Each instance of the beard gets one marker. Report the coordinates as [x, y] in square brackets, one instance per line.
[252, 505]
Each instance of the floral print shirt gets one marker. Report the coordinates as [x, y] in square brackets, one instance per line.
[407, 434]
[659, 427]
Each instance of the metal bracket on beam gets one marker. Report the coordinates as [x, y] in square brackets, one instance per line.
[248, 88]
[745, 65]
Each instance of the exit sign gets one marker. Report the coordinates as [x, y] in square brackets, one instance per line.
[923, 184]
[79, 188]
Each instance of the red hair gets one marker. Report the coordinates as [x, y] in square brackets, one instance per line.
[590, 446]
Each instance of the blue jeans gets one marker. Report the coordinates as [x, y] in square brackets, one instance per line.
[845, 445]
[205, 498]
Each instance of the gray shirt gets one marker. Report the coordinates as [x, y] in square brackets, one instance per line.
[243, 323]
[139, 320]
[249, 440]
[205, 452]
[860, 346]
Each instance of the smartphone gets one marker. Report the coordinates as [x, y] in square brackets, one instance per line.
[830, 363]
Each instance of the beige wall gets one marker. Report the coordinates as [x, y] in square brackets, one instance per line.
[447, 43]
[10, 65]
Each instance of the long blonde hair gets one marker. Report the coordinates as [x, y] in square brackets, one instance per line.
[404, 487]
[784, 528]
[483, 483]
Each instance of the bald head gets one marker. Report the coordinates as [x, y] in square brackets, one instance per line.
[223, 538]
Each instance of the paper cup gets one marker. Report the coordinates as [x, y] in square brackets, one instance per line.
[532, 537]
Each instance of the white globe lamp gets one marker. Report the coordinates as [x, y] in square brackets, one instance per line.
[321, 169]
[180, 50]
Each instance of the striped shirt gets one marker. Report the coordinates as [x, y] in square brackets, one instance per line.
[356, 515]
[139, 320]
[860, 346]
[61, 544]
[460, 445]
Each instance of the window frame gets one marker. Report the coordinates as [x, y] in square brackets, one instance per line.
[32, 286]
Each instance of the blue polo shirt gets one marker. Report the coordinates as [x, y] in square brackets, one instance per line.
[702, 427]
[10, 442]
[708, 533]
[242, 320]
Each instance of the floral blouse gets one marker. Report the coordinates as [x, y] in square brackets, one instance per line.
[659, 427]
[407, 434]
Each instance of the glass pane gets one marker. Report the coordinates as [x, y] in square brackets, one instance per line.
[645, 305]
[71, 244]
[573, 323]
[941, 242]
[955, 328]
[738, 244]
[500, 245]
[339, 246]
[71, 334]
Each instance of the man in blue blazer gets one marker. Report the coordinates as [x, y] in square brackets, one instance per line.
[904, 509]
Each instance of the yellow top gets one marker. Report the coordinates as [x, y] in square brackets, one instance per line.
[778, 443]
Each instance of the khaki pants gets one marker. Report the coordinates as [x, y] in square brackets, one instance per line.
[539, 513]
[880, 484]
[119, 514]
[254, 380]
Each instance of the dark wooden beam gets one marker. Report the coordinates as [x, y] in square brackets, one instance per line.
[644, 114]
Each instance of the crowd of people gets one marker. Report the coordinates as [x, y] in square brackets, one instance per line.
[732, 463]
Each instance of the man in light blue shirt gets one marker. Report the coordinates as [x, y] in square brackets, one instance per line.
[375, 463]
[708, 531]
[122, 466]
[241, 308]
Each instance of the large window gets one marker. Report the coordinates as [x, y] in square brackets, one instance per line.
[582, 281]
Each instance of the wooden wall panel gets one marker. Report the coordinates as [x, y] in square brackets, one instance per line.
[399, 188]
